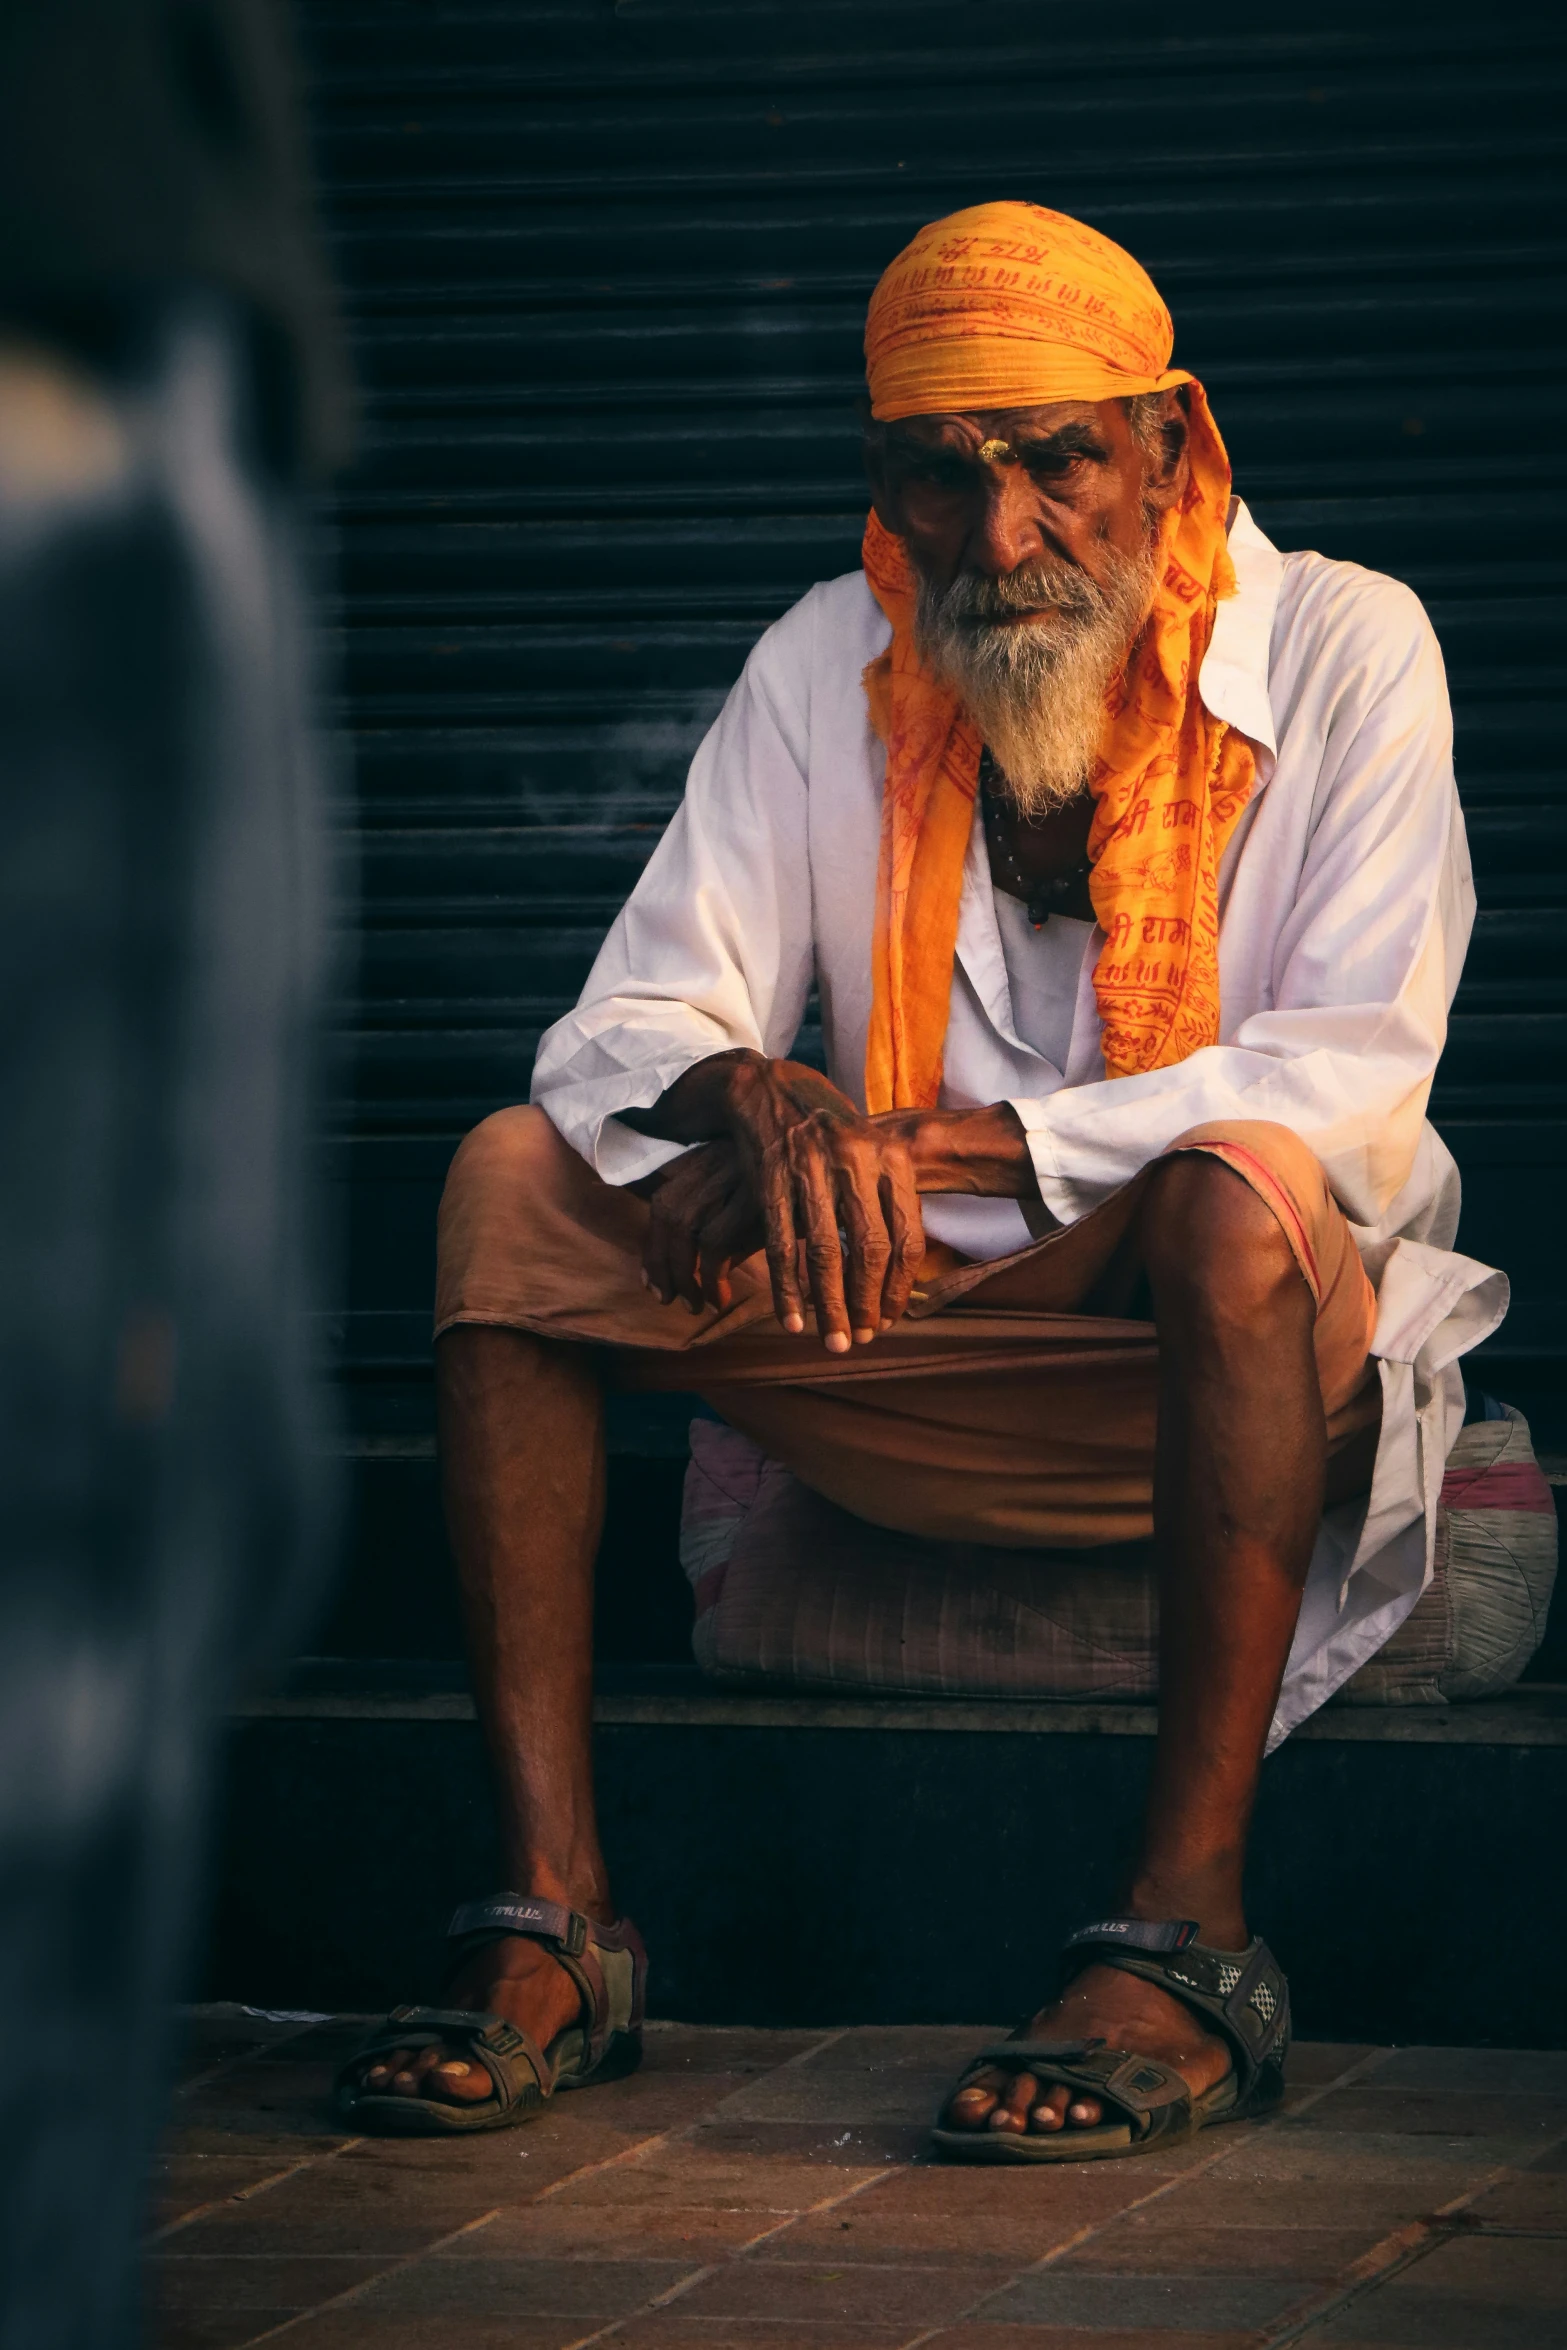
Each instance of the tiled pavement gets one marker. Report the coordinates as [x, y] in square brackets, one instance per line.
[756, 2190]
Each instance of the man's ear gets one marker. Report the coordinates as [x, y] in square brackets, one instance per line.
[1167, 460]
[887, 509]
[873, 451]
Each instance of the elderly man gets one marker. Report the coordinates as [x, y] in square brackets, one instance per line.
[1125, 855]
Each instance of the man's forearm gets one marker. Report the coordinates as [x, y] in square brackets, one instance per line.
[983, 1152]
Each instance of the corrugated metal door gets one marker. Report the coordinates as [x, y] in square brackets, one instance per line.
[607, 268]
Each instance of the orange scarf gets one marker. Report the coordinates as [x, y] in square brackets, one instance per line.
[992, 314]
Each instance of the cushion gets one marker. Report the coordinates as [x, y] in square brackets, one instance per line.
[790, 1588]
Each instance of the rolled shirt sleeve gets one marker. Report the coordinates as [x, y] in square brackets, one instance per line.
[1363, 965]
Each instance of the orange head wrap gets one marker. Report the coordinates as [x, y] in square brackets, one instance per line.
[1009, 306]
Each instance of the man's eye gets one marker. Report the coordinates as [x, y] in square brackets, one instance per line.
[938, 473]
[1052, 464]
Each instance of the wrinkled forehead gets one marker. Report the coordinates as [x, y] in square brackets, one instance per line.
[972, 427]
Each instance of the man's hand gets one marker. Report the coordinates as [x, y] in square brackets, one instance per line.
[794, 1167]
[799, 1171]
[704, 1220]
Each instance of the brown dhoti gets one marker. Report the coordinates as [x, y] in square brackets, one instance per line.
[1014, 1404]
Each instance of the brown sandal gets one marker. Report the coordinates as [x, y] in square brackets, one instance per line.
[609, 1967]
[1242, 1994]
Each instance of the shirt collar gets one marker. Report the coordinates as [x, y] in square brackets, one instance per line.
[1233, 680]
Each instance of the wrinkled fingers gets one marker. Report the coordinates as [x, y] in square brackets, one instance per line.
[816, 1208]
[729, 1235]
[679, 1213]
[869, 1254]
[775, 1186]
[900, 1207]
[670, 1258]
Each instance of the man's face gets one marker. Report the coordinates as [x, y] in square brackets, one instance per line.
[1073, 484]
[1032, 533]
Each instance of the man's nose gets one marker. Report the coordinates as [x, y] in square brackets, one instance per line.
[1006, 531]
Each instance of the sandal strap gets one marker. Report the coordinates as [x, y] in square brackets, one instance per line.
[1146, 2089]
[500, 2047]
[607, 1963]
[529, 1919]
[1242, 1992]
[1160, 1935]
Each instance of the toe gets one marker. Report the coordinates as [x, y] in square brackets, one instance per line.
[457, 2081]
[1084, 2112]
[408, 2079]
[1050, 2111]
[378, 2075]
[1011, 2115]
[972, 2105]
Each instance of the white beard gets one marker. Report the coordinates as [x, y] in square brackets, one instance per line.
[1036, 690]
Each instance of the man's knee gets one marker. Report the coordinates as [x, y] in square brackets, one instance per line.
[512, 1147]
[1213, 1244]
[512, 1166]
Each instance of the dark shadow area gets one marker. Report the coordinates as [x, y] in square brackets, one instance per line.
[789, 1872]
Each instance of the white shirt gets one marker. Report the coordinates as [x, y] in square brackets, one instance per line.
[1345, 904]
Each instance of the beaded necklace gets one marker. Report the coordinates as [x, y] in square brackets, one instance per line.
[1040, 898]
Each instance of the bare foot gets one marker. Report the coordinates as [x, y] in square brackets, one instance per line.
[511, 1978]
[1104, 2004]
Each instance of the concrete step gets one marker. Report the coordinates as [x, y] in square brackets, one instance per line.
[817, 1860]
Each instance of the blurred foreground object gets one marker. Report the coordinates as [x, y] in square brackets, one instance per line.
[167, 371]
[149, 146]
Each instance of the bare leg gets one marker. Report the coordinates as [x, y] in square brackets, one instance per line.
[1238, 1494]
[522, 1453]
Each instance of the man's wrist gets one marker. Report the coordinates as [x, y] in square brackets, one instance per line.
[733, 1077]
[699, 1106]
[983, 1152]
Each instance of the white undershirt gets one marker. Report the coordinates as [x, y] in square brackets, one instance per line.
[1043, 970]
[1030, 993]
